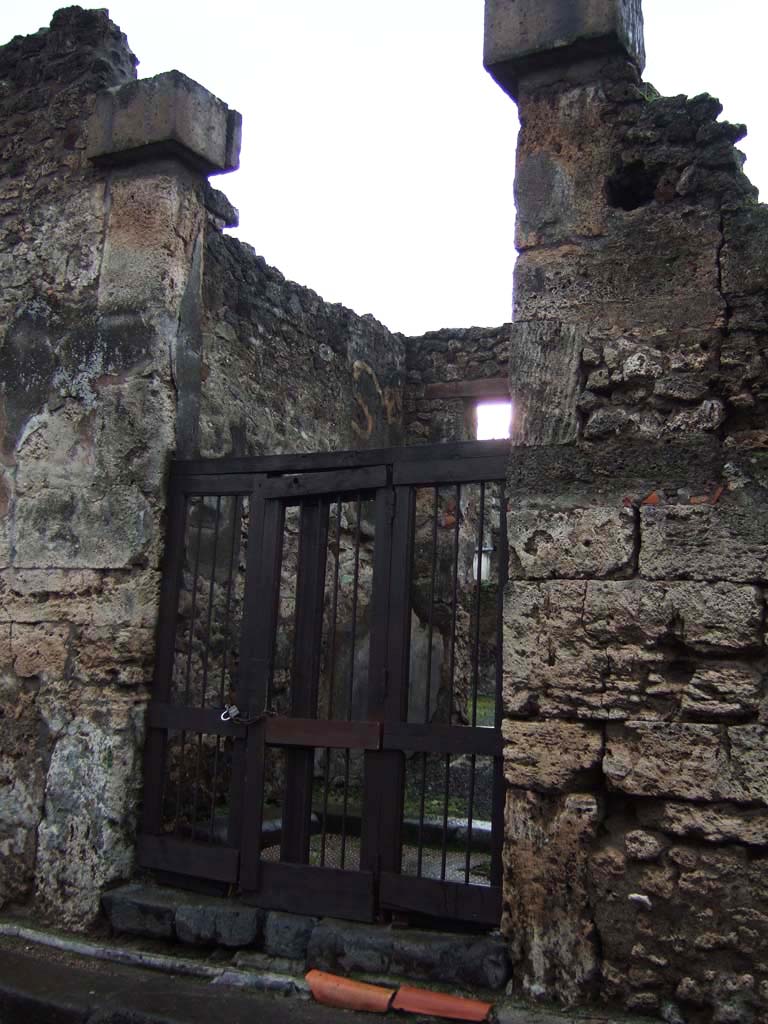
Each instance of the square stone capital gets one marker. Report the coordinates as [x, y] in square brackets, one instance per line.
[524, 36]
[168, 116]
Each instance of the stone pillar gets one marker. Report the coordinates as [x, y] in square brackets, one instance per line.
[635, 616]
[100, 356]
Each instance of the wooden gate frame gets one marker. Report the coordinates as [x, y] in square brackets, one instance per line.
[270, 482]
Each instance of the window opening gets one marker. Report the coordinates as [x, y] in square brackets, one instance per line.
[494, 420]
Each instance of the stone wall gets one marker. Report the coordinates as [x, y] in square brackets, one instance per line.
[131, 330]
[651, 241]
[439, 405]
[636, 853]
[86, 407]
[285, 371]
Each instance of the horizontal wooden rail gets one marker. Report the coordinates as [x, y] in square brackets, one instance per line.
[315, 732]
[320, 461]
[184, 857]
[203, 720]
[442, 739]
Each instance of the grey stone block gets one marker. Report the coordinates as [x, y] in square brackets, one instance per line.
[288, 935]
[473, 960]
[165, 116]
[522, 36]
[211, 924]
[141, 910]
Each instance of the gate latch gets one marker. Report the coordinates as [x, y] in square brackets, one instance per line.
[232, 713]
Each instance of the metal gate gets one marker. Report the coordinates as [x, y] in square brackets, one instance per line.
[349, 606]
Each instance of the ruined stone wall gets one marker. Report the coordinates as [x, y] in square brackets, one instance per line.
[649, 239]
[130, 330]
[98, 285]
[455, 358]
[635, 626]
[285, 371]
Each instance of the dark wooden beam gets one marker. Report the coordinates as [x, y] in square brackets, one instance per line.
[489, 387]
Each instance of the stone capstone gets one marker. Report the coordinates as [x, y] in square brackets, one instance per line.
[523, 36]
[168, 116]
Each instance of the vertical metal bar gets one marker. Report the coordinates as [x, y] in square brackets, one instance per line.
[155, 751]
[378, 775]
[331, 680]
[454, 603]
[385, 778]
[310, 590]
[193, 611]
[470, 810]
[478, 603]
[451, 674]
[226, 632]
[187, 684]
[257, 641]
[475, 675]
[428, 687]
[206, 661]
[351, 686]
[499, 791]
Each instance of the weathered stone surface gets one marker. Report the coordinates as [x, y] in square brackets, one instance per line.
[524, 36]
[691, 762]
[722, 690]
[288, 935]
[137, 909]
[713, 824]
[39, 649]
[86, 839]
[544, 381]
[613, 649]
[165, 116]
[703, 926]
[547, 918]
[285, 371]
[585, 543]
[642, 845]
[705, 617]
[153, 911]
[726, 542]
[474, 960]
[212, 923]
[550, 756]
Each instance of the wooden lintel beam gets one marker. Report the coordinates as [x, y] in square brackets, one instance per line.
[489, 387]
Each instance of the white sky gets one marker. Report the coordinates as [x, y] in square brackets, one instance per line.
[378, 155]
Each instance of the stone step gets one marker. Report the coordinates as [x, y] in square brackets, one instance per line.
[294, 943]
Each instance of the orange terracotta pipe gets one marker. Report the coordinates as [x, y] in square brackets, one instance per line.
[346, 994]
[438, 1004]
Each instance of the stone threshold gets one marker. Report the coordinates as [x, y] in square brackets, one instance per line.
[279, 942]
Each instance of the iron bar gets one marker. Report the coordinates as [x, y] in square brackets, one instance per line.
[428, 681]
[350, 693]
[331, 679]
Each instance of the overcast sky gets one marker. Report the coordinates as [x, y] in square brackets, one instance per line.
[378, 156]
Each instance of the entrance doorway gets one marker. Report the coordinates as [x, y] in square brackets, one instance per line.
[324, 732]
